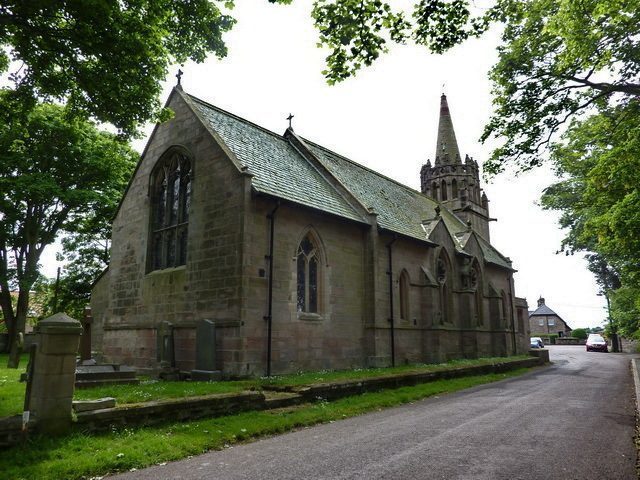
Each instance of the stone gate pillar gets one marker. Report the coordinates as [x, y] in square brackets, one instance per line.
[54, 373]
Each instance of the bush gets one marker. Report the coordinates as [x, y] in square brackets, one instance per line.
[580, 333]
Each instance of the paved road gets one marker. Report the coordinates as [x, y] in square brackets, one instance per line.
[572, 420]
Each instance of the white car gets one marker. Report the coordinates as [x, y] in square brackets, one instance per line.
[536, 342]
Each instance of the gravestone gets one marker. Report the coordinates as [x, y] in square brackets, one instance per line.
[53, 373]
[206, 352]
[165, 355]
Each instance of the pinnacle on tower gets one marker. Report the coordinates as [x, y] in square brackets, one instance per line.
[447, 145]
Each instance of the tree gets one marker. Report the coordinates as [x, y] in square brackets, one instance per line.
[599, 201]
[106, 59]
[559, 59]
[57, 175]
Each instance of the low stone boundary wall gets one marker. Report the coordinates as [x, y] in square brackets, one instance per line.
[150, 413]
[570, 341]
[335, 390]
[183, 409]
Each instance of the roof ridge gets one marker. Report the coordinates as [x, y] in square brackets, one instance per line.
[406, 187]
[237, 117]
[270, 132]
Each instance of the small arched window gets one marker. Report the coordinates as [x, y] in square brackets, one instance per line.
[444, 282]
[443, 190]
[434, 190]
[170, 203]
[404, 295]
[308, 266]
[454, 188]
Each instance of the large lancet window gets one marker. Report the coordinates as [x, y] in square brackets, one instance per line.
[170, 203]
[308, 266]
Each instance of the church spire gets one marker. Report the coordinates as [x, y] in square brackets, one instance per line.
[447, 147]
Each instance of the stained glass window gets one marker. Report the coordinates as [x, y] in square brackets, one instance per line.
[171, 200]
[307, 264]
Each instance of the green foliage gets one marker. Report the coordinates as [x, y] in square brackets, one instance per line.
[357, 32]
[580, 333]
[58, 175]
[107, 59]
[558, 59]
[11, 389]
[599, 201]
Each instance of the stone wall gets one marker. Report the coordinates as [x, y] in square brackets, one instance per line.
[330, 339]
[209, 286]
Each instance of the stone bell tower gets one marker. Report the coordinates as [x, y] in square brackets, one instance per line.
[453, 183]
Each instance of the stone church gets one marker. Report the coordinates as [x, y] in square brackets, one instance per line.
[303, 259]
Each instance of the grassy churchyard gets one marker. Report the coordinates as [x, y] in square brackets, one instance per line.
[80, 455]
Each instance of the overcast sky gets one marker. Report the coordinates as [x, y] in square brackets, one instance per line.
[386, 118]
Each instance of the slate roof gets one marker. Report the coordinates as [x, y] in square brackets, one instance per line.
[280, 170]
[543, 310]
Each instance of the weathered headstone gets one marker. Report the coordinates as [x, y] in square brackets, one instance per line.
[165, 355]
[206, 352]
[53, 373]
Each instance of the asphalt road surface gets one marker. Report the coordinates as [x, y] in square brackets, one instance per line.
[573, 420]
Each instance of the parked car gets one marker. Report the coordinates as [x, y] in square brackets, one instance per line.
[595, 343]
[536, 342]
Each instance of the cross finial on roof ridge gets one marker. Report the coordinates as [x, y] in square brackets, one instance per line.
[290, 117]
[179, 77]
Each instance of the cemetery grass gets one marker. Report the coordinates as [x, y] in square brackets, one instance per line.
[12, 392]
[79, 456]
[11, 389]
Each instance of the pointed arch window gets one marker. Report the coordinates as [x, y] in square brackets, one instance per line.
[308, 273]
[443, 190]
[404, 295]
[171, 183]
[454, 188]
[434, 190]
[442, 267]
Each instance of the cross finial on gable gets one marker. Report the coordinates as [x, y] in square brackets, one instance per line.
[179, 76]
[290, 117]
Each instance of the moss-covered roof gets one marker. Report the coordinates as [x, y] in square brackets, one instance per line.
[281, 170]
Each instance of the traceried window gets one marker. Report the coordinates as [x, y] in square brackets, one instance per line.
[307, 267]
[170, 203]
